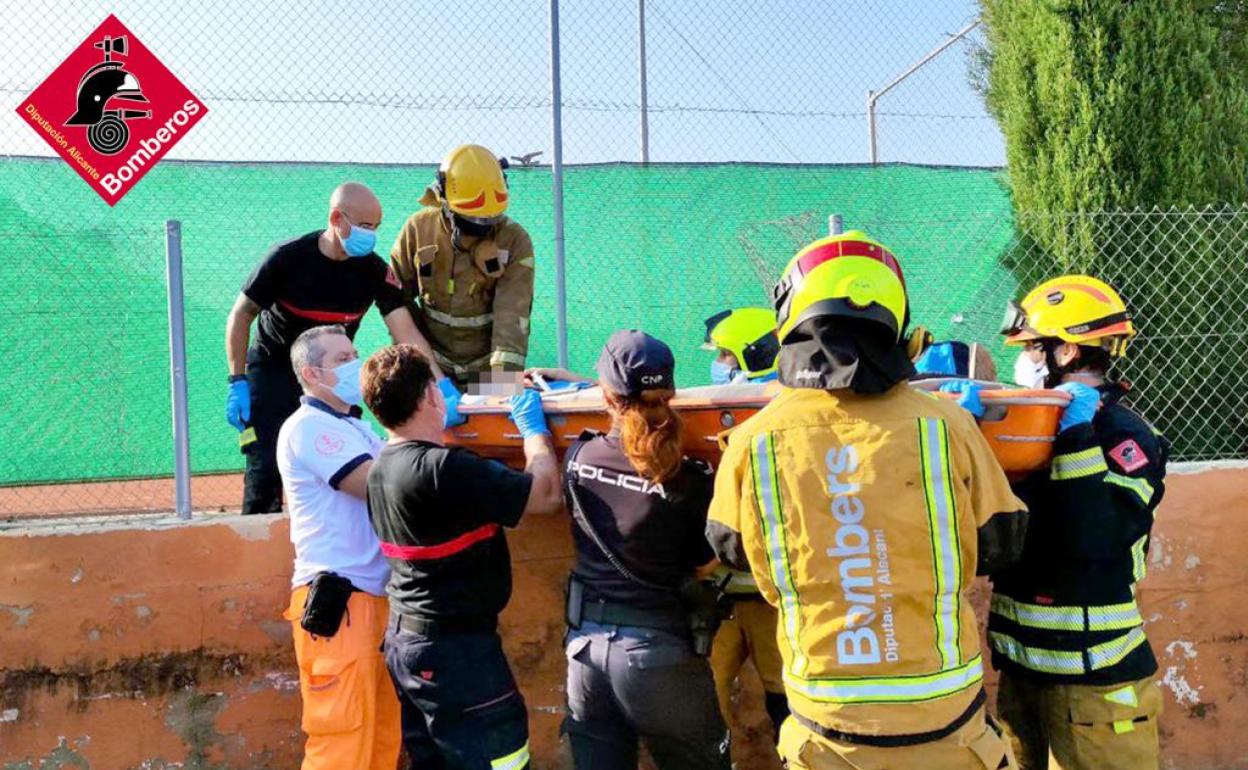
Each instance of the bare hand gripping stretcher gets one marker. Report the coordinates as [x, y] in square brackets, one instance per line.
[1020, 425]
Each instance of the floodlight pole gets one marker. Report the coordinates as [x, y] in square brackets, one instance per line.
[873, 97]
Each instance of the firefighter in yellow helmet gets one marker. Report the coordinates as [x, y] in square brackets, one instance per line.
[744, 340]
[1076, 669]
[864, 509]
[467, 271]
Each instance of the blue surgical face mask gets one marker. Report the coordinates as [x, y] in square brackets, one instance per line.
[348, 386]
[722, 373]
[360, 241]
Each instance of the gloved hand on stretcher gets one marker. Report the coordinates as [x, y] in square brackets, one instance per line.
[451, 395]
[527, 414]
[969, 398]
[1084, 402]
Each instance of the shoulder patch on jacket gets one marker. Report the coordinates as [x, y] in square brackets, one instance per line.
[1128, 455]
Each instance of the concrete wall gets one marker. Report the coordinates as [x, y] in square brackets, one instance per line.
[148, 643]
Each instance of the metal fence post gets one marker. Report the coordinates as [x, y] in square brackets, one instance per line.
[556, 166]
[641, 67]
[177, 368]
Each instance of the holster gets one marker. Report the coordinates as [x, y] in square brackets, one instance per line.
[575, 601]
[708, 607]
[326, 603]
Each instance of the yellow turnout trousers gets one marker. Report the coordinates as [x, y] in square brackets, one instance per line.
[1087, 727]
[750, 634]
[974, 746]
[350, 710]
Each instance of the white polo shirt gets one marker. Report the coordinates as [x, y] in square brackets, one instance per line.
[316, 449]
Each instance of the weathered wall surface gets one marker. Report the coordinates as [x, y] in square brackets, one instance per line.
[151, 644]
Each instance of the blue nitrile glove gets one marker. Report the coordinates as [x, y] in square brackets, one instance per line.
[969, 400]
[567, 385]
[938, 360]
[1084, 402]
[527, 414]
[451, 395]
[238, 404]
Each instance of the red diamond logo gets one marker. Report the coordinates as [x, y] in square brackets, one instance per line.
[112, 110]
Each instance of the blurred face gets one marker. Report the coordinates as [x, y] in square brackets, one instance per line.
[728, 358]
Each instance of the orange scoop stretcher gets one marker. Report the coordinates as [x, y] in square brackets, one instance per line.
[1020, 425]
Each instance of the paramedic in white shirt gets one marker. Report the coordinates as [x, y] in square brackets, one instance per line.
[350, 710]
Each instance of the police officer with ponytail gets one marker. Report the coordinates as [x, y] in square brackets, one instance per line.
[639, 514]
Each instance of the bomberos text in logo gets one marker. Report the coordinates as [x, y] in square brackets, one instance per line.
[112, 110]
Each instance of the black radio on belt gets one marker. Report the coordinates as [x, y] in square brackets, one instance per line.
[328, 595]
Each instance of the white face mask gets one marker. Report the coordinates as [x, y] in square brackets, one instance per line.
[1028, 373]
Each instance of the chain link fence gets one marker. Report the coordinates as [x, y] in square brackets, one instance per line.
[753, 123]
[1183, 273]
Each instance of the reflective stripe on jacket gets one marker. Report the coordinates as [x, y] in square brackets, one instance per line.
[1067, 612]
[859, 517]
[473, 320]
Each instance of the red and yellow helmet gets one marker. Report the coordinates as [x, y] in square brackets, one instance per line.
[1072, 308]
[846, 275]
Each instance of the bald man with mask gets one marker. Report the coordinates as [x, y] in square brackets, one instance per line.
[328, 276]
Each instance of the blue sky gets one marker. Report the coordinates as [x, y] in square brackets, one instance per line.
[402, 81]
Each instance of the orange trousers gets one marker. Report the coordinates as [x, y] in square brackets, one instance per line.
[350, 709]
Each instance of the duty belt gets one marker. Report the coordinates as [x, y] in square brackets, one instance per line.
[461, 624]
[615, 614]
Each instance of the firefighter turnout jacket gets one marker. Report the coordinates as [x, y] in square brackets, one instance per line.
[864, 519]
[473, 306]
[1066, 612]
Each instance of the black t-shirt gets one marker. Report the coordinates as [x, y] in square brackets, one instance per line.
[297, 287]
[657, 531]
[439, 512]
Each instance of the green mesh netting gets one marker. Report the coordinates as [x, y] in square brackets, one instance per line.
[85, 343]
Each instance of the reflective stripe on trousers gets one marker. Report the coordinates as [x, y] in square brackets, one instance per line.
[1067, 661]
[1108, 617]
